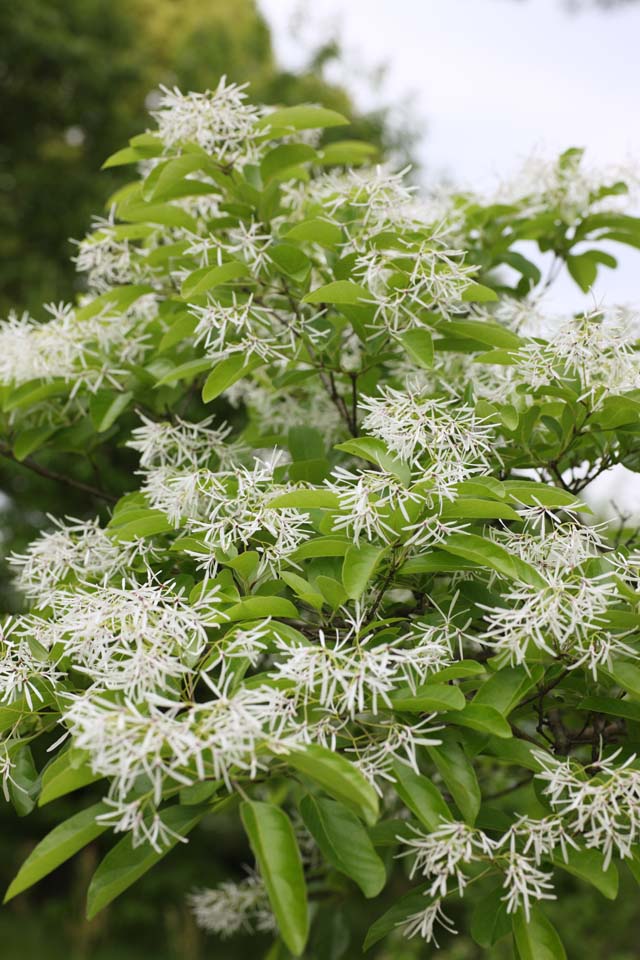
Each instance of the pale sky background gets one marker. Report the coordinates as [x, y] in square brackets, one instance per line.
[493, 81]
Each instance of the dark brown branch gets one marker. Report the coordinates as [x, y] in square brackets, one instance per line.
[29, 464]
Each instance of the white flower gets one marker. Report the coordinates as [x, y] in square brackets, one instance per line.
[524, 882]
[233, 907]
[220, 121]
[180, 443]
[390, 741]
[141, 820]
[559, 618]
[423, 922]
[77, 547]
[453, 441]
[23, 672]
[604, 809]
[441, 855]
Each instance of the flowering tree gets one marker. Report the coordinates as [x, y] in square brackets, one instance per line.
[355, 597]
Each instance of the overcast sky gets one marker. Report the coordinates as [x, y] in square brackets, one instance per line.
[491, 78]
[492, 81]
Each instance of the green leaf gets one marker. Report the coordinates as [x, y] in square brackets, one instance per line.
[124, 864]
[138, 523]
[490, 920]
[226, 373]
[324, 232]
[505, 688]
[106, 406]
[332, 591]
[24, 783]
[113, 301]
[164, 214]
[276, 851]
[31, 393]
[421, 796]
[338, 776]
[374, 451]
[344, 842]
[339, 291]
[348, 153]
[122, 157]
[29, 440]
[612, 707]
[281, 159]
[254, 608]
[360, 563]
[428, 697]
[458, 774]
[483, 718]
[472, 509]
[300, 118]
[59, 845]
[306, 499]
[322, 547]
[491, 334]
[290, 261]
[627, 676]
[206, 278]
[185, 371]
[419, 345]
[478, 293]
[413, 902]
[536, 939]
[530, 493]
[68, 772]
[490, 554]
[589, 865]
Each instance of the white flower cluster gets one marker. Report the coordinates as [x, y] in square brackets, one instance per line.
[445, 855]
[598, 351]
[233, 907]
[447, 440]
[220, 121]
[108, 255]
[76, 548]
[603, 809]
[87, 353]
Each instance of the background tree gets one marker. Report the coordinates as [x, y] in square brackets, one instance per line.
[74, 78]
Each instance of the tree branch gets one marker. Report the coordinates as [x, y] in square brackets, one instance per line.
[29, 464]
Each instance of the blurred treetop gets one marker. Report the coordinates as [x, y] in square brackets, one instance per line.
[74, 78]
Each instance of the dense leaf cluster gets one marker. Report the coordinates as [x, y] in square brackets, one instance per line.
[355, 596]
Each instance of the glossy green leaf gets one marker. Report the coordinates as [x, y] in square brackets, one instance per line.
[340, 291]
[459, 776]
[226, 373]
[301, 118]
[428, 698]
[124, 864]
[360, 563]
[589, 866]
[69, 771]
[421, 796]
[486, 553]
[276, 851]
[59, 845]
[252, 608]
[206, 278]
[339, 777]
[344, 842]
[536, 939]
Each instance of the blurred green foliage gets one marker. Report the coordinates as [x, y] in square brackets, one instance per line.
[75, 81]
[75, 78]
